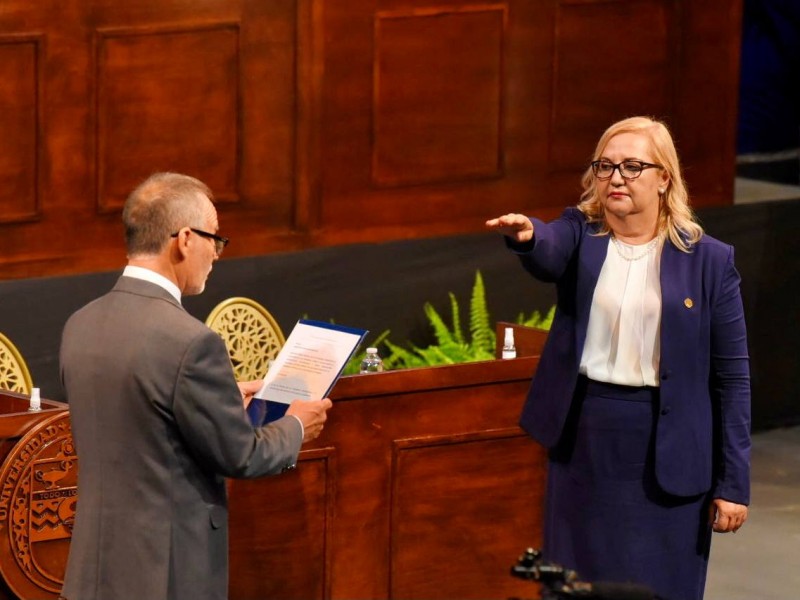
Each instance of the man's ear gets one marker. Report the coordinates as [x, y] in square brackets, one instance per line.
[181, 243]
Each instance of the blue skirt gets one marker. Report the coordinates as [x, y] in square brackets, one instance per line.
[605, 515]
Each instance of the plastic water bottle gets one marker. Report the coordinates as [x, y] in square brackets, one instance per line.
[509, 350]
[372, 363]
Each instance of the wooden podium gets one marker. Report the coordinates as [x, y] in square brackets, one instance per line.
[421, 486]
[38, 495]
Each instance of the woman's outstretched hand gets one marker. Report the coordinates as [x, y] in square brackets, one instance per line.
[518, 227]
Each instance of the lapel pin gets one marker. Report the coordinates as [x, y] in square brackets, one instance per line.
[688, 303]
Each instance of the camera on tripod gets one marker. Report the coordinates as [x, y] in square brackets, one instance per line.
[558, 582]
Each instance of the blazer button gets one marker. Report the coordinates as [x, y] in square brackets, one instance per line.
[665, 411]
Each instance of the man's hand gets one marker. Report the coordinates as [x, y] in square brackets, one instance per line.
[312, 413]
[726, 516]
[248, 389]
[518, 227]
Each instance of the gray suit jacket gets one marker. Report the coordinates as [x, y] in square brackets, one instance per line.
[158, 422]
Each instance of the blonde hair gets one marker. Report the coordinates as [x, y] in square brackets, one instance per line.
[675, 217]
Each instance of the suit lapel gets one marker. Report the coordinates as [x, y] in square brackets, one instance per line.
[590, 261]
[676, 293]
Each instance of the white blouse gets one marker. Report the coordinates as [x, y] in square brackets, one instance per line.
[622, 340]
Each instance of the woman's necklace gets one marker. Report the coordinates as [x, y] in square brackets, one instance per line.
[648, 248]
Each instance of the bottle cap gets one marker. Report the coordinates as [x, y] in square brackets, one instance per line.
[509, 333]
[371, 349]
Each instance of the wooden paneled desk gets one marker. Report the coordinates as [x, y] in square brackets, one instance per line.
[421, 486]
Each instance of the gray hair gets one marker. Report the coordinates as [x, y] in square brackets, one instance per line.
[160, 206]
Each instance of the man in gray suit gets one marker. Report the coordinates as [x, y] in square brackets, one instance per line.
[157, 416]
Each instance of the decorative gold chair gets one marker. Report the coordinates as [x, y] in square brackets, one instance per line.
[250, 333]
[14, 374]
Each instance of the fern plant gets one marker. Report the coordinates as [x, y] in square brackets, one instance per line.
[452, 346]
[537, 320]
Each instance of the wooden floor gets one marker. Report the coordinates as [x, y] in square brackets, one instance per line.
[762, 561]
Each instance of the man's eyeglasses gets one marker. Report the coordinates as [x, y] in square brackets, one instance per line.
[629, 169]
[219, 241]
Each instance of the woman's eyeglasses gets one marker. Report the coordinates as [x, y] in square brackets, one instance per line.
[629, 169]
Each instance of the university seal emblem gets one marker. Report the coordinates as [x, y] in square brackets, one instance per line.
[38, 498]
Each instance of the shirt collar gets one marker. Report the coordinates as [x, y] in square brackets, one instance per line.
[153, 277]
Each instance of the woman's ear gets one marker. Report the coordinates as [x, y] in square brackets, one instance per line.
[663, 185]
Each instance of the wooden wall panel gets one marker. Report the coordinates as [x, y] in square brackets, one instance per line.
[624, 70]
[446, 486]
[437, 98]
[456, 184]
[167, 100]
[19, 122]
[219, 102]
[705, 112]
[322, 123]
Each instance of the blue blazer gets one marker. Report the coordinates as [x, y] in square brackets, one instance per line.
[703, 430]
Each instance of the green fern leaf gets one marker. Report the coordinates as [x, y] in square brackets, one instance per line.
[400, 358]
[458, 336]
[537, 320]
[440, 330]
[481, 330]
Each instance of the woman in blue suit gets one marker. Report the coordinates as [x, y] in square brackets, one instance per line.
[642, 393]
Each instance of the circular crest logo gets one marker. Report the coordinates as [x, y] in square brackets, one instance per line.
[38, 498]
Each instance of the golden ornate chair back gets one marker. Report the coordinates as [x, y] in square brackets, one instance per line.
[250, 333]
[14, 374]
